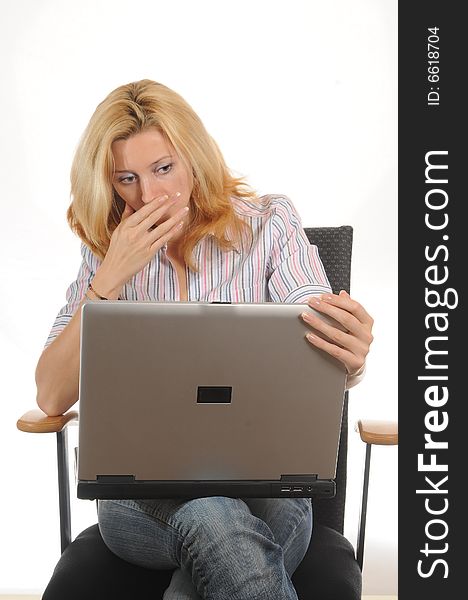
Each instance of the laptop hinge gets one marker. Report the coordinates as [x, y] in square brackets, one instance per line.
[299, 476]
[115, 478]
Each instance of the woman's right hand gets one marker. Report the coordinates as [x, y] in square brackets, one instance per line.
[135, 241]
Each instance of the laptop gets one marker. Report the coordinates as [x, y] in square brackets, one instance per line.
[193, 399]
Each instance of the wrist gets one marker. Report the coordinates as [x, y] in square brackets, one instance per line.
[354, 378]
[359, 372]
[104, 288]
[93, 295]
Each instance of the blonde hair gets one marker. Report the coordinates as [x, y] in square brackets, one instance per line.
[95, 210]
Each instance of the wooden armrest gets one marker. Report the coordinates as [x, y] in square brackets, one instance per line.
[36, 421]
[382, 433]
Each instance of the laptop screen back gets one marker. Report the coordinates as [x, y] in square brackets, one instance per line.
[197, 391]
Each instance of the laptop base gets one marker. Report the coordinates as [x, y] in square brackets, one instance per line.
[117, 487]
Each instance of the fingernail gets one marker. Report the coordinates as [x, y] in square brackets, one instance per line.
[178, 194]
[315, 301]
[311, 337]
[326, 296]
[163, 198]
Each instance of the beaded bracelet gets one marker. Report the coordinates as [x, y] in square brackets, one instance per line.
[90, 287]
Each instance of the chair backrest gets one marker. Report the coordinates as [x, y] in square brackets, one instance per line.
[335, 248]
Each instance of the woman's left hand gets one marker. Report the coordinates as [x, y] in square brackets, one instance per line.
[350, 346]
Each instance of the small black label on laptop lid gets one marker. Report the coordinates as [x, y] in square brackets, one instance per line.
[213, 394]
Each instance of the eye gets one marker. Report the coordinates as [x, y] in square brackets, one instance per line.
[127, 179]
[164, 169]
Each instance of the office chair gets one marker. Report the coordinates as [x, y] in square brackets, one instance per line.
[331, 570]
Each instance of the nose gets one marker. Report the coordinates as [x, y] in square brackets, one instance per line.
[150, 189]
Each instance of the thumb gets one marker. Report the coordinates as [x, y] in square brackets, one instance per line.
[128, 210]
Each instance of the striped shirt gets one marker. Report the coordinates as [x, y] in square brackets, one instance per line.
[281, 266]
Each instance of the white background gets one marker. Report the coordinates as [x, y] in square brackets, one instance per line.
[300, 96]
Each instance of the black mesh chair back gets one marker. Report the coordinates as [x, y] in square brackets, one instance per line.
[335, 249]
[88, 570]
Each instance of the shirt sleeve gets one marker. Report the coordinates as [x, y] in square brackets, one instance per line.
[75, 293]
[295, 269]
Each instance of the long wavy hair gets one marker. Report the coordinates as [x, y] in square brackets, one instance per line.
[96, 209]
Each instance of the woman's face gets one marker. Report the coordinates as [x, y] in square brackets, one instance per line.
[146, 167]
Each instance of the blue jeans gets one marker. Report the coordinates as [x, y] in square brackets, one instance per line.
[221, 548]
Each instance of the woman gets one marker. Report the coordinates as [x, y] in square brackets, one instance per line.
[161, 218]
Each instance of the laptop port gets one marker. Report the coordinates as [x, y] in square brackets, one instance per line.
[286, 489]
[298, 489]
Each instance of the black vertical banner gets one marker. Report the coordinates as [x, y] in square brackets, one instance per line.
[433, 336]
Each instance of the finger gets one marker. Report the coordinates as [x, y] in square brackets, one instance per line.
[344, 300]
[141, 214]
[150, 221]
[351, 361]
[128, 210]
[166, 230]
[159, 243]
[342, 338]
[342, 316]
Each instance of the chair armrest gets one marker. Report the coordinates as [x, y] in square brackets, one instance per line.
[36, 421]
[381, 433]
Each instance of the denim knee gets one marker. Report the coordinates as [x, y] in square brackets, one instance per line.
[218, 517]
[222, 531]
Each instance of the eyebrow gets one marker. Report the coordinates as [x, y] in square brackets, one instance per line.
[151, 165]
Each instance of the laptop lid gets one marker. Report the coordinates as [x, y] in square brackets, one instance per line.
[188, 399]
